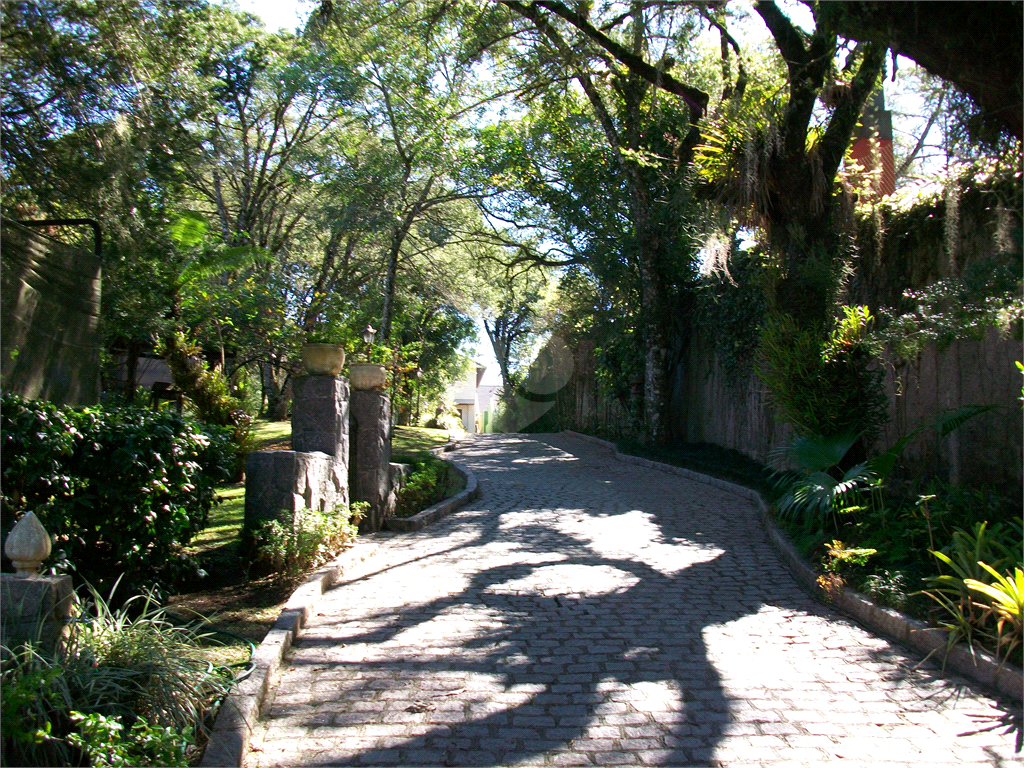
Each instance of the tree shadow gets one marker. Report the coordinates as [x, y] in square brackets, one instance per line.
[619, 667]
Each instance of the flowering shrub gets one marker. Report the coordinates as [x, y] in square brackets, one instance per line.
[122, 491]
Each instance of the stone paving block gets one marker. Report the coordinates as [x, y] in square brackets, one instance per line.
[586, 611]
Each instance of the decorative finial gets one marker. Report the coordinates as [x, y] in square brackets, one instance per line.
[27, 545]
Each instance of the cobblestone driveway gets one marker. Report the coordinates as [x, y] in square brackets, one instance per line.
[585, 611]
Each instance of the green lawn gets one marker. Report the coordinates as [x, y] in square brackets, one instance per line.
[412, 439]
[218, 541]
[277, 435]
[271, 435]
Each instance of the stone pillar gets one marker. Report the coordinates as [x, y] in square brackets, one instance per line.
[314, 474]
[370, 467]
[33, 608]
[320, 416]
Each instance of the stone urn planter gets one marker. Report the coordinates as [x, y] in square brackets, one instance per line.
[323, 359]
[366, 376]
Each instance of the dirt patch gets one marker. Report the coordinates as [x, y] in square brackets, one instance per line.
[244, 608]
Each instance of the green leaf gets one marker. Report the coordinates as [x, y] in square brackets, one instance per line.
[188, 230]
[948, 421]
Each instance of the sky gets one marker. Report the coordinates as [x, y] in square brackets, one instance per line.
[276, 14]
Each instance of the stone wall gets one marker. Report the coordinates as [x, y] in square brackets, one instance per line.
[50, 315]
[913, 250]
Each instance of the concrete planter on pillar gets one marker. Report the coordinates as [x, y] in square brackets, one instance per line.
[366, 376]
[323, 359]
[33, 608]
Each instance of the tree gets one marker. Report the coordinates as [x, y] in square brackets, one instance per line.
[416, 91]
[651, 142]
[511, 316]
[945, 39]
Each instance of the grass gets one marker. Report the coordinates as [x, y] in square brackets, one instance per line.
[277, 436]
[271, 435]
[230, 601]
[411, 439]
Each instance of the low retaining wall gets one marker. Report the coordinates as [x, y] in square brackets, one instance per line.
[241, 708]
[431, 514]
[980, 666]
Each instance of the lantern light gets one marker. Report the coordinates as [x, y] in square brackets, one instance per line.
[368, 333]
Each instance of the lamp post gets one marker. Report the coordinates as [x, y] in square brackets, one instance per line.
[419, 375]
[368, 334]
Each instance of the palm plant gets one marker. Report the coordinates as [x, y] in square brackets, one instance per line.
[819, 487]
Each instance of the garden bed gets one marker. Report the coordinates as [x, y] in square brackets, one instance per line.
[227, 597]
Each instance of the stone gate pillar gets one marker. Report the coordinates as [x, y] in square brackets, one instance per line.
[370, 441]
[314, 474]
[320, 406]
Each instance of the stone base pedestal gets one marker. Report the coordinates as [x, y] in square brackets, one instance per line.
[34, 609]
[370, 453]
[280, 483]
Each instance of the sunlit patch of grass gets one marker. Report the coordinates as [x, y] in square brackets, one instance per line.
[271, 435]
[225, 523]
[412, 439]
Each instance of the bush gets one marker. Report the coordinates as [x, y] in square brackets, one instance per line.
[430, 481]
[121, 691]
[122, 491]
[312, 539]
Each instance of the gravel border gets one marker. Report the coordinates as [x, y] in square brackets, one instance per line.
[241, 708]
[980, 667]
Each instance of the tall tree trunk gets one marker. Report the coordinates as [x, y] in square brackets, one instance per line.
[275, 404]
[131, 370]
[652, 293]
[389, 289]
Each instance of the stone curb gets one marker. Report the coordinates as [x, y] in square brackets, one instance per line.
[980, 666]
[241, 708]
[431, 514]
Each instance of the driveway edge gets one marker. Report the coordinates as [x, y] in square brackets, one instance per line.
[431, 514]
[242, 707]
[980, 666]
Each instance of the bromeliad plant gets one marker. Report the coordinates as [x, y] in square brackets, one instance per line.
[978, 559]
[1005, 604]
[838, 563]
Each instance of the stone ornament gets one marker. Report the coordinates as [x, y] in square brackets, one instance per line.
[28, 545]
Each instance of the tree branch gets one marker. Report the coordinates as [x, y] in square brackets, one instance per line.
[696, 99]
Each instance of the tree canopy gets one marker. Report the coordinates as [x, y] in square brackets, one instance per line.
[530, 166]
